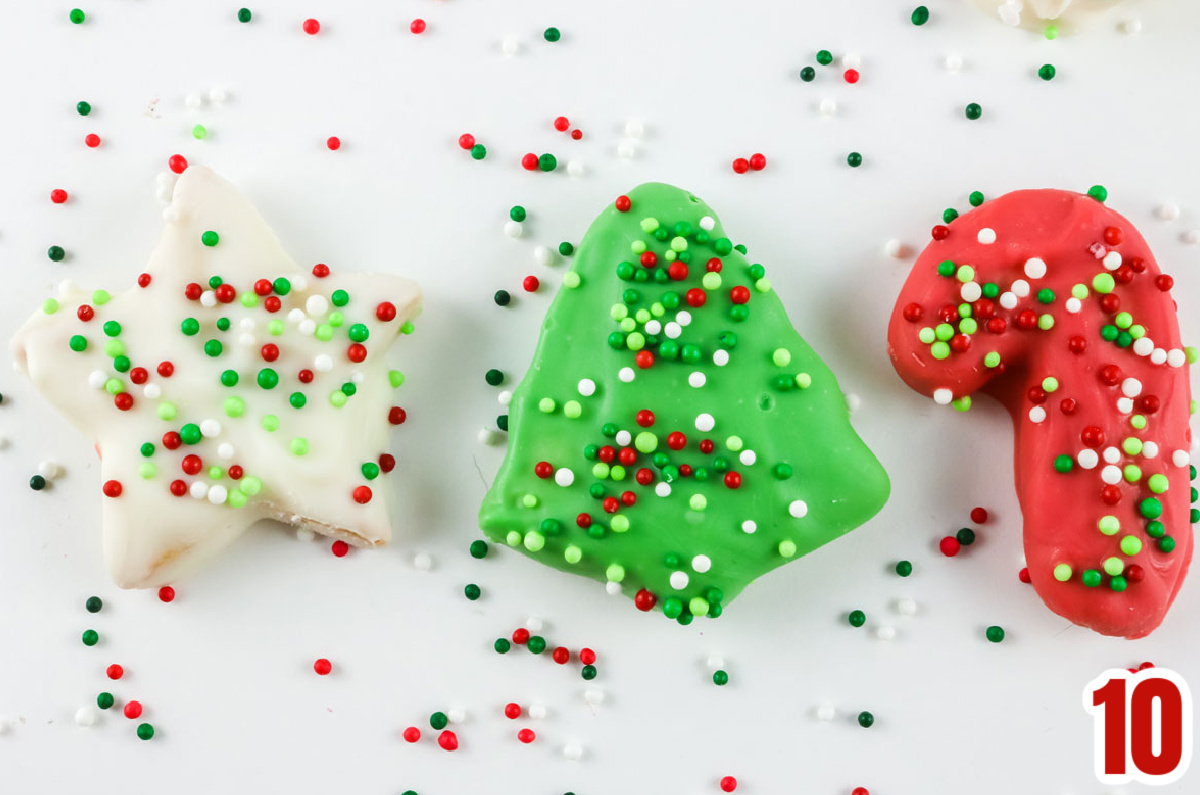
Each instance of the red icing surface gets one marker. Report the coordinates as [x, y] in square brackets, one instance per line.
[1062, 510]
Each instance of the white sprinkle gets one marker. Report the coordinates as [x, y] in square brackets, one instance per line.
[715, 662]
[971, 292]
[86, 716]
[1191, 237]
[1008, 300]
[953, 62]
[513, 229]
[851, 60]
[299, 283]
[1111, 475]
[1181, 458]
[575, 168]
[456, 714]
[487, 436]
[623, 438]
[210, 428]
[705, 423]
[1035, 267]
[296, 314]
[853, 402]
[1037, 414]
[1112, 455]
[825, 713]
[422, 561]
[662, 489]
[572, 751]
[1112, 260]
[797, 509]
[193, 101]
[679, 580]
[653, 327]
[245, 340]
[1087, 458]
[208, 299]
[1158, 356]
[701, 564]
[323, 363]
[748, 458]
[217, 95]
[697, 379]
[1073, 305]
[986, 236]
[1010, 12]
[1167, 211]
[721, 357]
[1176, 358]
[226, 450]
[683, 318]
[564, 477]
[672, 330]
[198, 489]
[218, 494]
[509, 46]
[1150, 450]
[943, 396]
[612, 588]
[304, 534]
[1143, 346]
[885, 632]
[626, 374]
[164, 193]
[316, 305]
[1131, 27]
[895, 249]
[627, 149]
[827, 108]
[634, 128]
[1020, 288]
[749, 527]
[356, 377]
[1131, 387]
[586, 387]
[906, 606]
[537, 710]
[96, 379]
[542, 255]
[593, 696]
[1125, 405]
[152, 391]
[707, 223]
[49, 470]
[504, 397]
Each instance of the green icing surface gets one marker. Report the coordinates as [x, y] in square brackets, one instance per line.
[785, 407]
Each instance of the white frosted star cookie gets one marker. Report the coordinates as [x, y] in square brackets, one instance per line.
[226, 386]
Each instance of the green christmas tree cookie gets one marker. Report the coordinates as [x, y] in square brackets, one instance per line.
[675, 437]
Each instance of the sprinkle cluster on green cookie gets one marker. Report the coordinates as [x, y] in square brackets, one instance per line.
[675, 437]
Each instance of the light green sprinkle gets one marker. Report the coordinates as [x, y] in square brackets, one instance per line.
[646, 442]
[1103, 283]
[547, 405]
[1062, 572]
[698, 502]
[615, 572]
[534, 541]
[1131, 545]
[513, 538]
[991, 359]
[711, 281]
[803, 380]
[1080, 291]
[649, 225]
[781, 357]
[530, 501]
[275, 327]
[763, 285]
[571, 280]
[101, 297]
[146, 470]
[698, 605]
[250, 485]
[234, 406]
[337, 398]
[1046, 322]
[1113, 566]
[1109, 525]
[49, 306]
[166, 411]
[236, 499]
[249, 299]
[787, 548]
[965, 274]
[927, 335]
[113, 386]
[324, 332]
[600, 470]
[572, 410]
[734, 444]
[620, 523]
[572, 554]
[395, 378]
[1050, 383]
[270, 423]
[635, 341]
[1157, 483]
[1132, 473]
[1132, 445]
[299, 446]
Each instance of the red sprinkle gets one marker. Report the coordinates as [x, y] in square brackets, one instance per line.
[114, 671]
[859, 791]
[643, 600]
[177, 163]
[466, 141]
[91, 140]
[740, 165]
[1023, 575]
[758, 161]
[526, 736]
[133, 710]
[576, 134]
[334, 143]
[949, 546]
[112, 488]
[728, 784]
[362, 495]
[143, 280]
[623, 203]
[940, 232]
[851, 76]
[531, 284]
[520, 636]
[397, 415]
[412, 734]
[512, 711]
[166, 594]
[123, 401]
[448, 740]
[320, 270]
[561, 655]
[340, 548]
[387, 462]
[385, 312]
[58, 195]
[587, 656]
[322, 667]
[561, 124]
[417, 26]
[311, 26]
[979, 515]
[529, 161]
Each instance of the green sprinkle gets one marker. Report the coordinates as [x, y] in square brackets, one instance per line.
[210, 238]
[824, 57]
[145, 731]
[866, 719]
[720, 678]
[975, 198]
[995, 634]
[808, 74]
[904, 568]
[83, 108]
[105, 700]
[1098, 192]
[472, 591]
[501, 645]
[78, 343]
[77, 16]
[1150, 508]
[90, 637]
[857, 618]
[494, 377]
[56, 253]
[213, 348]
[854, 159]
[297, 400]
[478, 151]
[566, 249]
[268, 378]
[920, 15]
[1047, 72]
[243, 15]
[479, 549]
[547, 162]
[1091, 578]
[588, 672]
[517, 213]
[536, 644]
[552, 35]
[973, 111]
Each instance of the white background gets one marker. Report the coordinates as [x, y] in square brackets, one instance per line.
[225, 672]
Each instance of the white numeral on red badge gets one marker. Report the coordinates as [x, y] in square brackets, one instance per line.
[1143, 725]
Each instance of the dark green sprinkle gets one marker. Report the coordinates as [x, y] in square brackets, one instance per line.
[190, 433]
[56, 253]
[920, 15]
[244, 15]
[229, 378]
[502, 298]
[37, 483]
[949, 214]
[808, 74]
[720, 678]
[536, 644]
[78, 343]
[976, 198]
[501, 645]
[145, 731]
[370, 470]
[1091, 578]
[866, 719]
[90, 637]
[973, 111]
[566, 249]
[857, 618]
[105, 700]
[588, 672]
[552, 35]
[494, 377]
[297, 399]
[1047, 71]
[83, 108]
[213, 348]
[1098, 192]
[854, 160]
[282, 286]
[965, 536]
[438, 721]
[547, 162]
[1063, 463]
[479, 549]
[93, 604]
[338, 297]
[223, 324]
[904, 568]
[147, 449]
[215, 282]
[824, 57]
[502, 422]
[479, 151]
[472, 591]
[517, 213]
[995, 634]
[190, 326]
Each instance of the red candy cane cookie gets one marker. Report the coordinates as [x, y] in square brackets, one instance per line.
[1053, 304]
